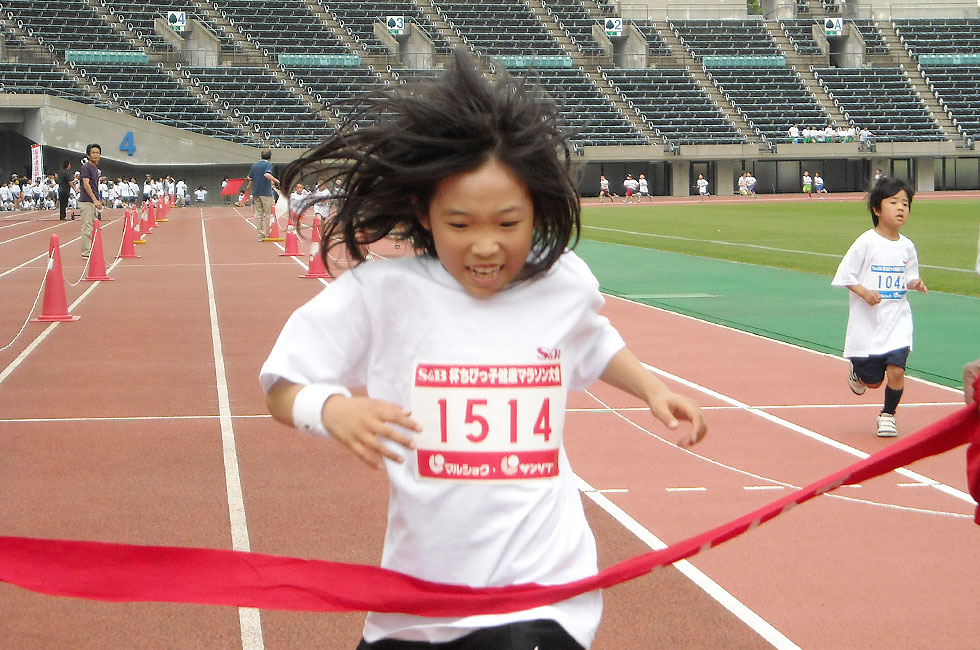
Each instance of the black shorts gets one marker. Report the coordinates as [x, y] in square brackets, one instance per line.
[544, 634]
[871, 370]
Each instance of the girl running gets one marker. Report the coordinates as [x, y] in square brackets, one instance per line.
[466, 351]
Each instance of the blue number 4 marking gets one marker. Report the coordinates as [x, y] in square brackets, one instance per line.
[127, 143]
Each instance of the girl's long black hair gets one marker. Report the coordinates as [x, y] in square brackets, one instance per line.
[397, 143]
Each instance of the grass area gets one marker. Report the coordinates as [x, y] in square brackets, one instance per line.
[807, 236]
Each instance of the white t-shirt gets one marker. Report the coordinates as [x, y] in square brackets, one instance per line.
[387, 325]
[887, 267]
[644, 186]
[702, 186]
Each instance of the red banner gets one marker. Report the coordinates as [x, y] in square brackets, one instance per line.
[125, 572]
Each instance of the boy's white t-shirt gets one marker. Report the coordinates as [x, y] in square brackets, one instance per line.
[885, 266]
[702, 186]
[387, 325]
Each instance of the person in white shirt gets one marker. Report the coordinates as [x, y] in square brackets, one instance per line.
[630, 186]
[878, 269]
[750, 182]
[743, 180]
[201, 195]
[644, 187]
[794, 134]
[604, 189]
[180, 191]
[702, 184]
[465, 388]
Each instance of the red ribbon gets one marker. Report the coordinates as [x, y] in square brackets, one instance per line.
[126, 572]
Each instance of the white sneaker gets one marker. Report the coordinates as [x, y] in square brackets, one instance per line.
[886, 426]
[856, 386]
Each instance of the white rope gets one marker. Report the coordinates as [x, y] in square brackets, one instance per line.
[33, 307]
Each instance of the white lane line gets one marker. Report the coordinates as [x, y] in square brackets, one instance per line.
[709, 586]
[131, 418]
[6, 372]
[734, 244]
[249, 618]
[766, 407]
[763, 487]
[686, 489]
[959, 494]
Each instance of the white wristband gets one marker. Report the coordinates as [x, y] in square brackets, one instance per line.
[308, 407]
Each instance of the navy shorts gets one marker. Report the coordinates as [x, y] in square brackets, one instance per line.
[871, 370]
[542, 633]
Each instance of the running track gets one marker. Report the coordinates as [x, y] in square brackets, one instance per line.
[144, 423]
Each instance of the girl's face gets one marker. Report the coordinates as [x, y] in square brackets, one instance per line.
[894, 212]
[482, 222]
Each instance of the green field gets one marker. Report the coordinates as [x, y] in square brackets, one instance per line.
[809, 236]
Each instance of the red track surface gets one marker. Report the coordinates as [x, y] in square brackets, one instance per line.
[110, 430]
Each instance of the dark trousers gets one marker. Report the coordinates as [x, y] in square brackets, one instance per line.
[526, 635]
[63, 205]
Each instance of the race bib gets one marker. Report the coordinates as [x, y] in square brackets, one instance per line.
[488, 422]
[889, 281]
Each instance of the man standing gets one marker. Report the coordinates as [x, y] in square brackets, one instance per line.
[66, 179]
[261, 181]
[88, 198]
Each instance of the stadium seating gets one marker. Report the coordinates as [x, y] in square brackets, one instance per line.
[882, 100]
[799, 31]
[273, 111]
[156, 96]
[957, 89]
[499, 27]
[771, 100]
[282, 27]
[585, 109]
[674, 105]
[140, 20]
[359, 17]
[67, 25]
[572, 16]
[656, 45]
[43, 79]
[725, 37]
[939, 35]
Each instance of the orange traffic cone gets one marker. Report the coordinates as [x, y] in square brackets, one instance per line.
[96, 260]
[55, 306]
[274, 229]
[143, 230]
[164, 210]
[151, 213]
[316, 269]
[292, 243]
[129, 236]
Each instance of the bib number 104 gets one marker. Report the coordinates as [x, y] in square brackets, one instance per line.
[479, 433]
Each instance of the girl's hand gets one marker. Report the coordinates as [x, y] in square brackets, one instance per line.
[361, 422]
[918, 285]
[670, 407]
[872, 297]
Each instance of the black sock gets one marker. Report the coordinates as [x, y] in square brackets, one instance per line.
[892, 397]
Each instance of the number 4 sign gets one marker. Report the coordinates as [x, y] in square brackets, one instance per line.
[481, 422]
[127, 143]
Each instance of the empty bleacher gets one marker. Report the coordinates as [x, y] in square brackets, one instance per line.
[577, 22]
[139, 19]
[67, 25]
[770, 99]
[154, 95]
[874, 42]
[282, 27]
[272, 110]
[656, 45]
[957, 88]
[44, 79]
[359, 17]
[674, 105]
[799, 31]
[586, 110]
[882, 100]
[725, 38]
[502, 27]
[939, 35]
